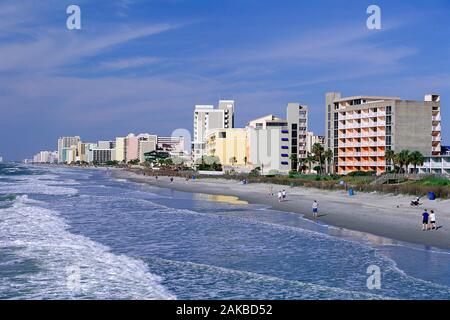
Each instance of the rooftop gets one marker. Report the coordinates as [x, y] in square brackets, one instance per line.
[370, 98]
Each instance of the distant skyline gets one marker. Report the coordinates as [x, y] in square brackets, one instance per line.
[141, 66]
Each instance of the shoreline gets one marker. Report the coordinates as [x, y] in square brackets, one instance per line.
[381, 215]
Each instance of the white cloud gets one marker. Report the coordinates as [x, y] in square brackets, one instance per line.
[127, 63]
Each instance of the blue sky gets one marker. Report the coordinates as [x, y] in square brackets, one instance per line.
[141, 66]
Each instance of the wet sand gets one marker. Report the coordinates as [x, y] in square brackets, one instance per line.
[378, 214]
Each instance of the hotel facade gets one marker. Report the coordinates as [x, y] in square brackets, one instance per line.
[230, 146]
[297, 119]
[206, 118]
[359, 130]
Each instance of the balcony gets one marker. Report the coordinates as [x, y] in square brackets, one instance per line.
[436, 118]
[437, 139]
[437, 128]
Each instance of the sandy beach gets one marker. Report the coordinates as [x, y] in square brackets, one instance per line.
[378, 214]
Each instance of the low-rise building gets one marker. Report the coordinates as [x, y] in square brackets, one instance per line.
[435, 165]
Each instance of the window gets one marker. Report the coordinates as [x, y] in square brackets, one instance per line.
[222, 135]
[388, 130]
[389, 120]
[389, 110]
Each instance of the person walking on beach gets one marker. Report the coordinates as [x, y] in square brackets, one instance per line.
[283, 194]
[171, 179]
[315, 209]
[280, 196]
[433, 220]
[425, 217]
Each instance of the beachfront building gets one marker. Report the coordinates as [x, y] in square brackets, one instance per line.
[120, 149]
[311, 140]
[269, 144]
[206, 118]
[360, 129]
[175, 146]
[100, 152]
[434, 165]
[136, 146]
[230, 146]
[66, 146]
[147, 143]
[46, 157]
[297, 119]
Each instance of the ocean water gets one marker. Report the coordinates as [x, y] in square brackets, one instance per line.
[81, 234]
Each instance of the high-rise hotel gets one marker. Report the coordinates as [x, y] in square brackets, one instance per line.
[359, 130]
[206, 118]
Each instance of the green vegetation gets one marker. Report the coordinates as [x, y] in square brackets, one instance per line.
[362, 174]
[434, 182]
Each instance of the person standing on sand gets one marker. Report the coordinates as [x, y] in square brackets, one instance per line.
[433, 220]
[171, 179]
[315, 209]
[283, 194]
[280, 196]
[425, 217]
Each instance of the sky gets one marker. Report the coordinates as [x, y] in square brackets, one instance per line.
[141, 66]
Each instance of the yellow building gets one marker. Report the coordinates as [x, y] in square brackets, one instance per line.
[229, 145]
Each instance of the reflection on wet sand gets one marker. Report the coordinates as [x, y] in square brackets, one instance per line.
[219, 198]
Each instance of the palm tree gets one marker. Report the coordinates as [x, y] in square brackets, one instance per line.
[403, 160]
[390, 157]
[310, 159]
[328, 155]
[301, 164]
[317, 150]
[294, 160]
[416, 159]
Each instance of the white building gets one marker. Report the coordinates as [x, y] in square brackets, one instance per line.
[206, 117]
[436, 165]
[297, 118]
[269, 144]
[101, 152]
[46, 157]
[65, 149]
[312, 139]
[174, 145]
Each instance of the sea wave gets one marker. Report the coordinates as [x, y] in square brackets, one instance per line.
[41, 235]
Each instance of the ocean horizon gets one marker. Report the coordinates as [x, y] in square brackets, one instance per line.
[70, 233]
